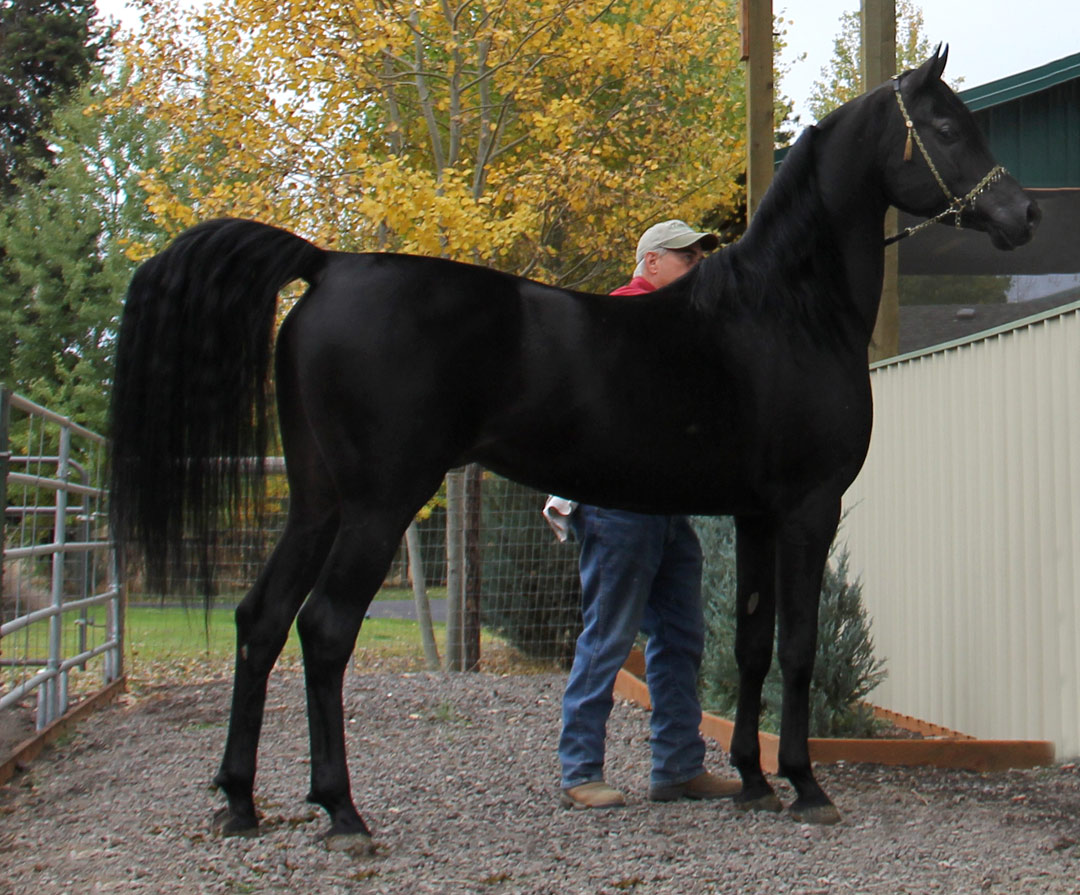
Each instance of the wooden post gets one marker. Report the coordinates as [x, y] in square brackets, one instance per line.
[878, 19]
[757, 52]
[455, 568]
[470, 623]
[420, 597]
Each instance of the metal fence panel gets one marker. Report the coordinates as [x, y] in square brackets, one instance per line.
[61, 620]
[964, 527]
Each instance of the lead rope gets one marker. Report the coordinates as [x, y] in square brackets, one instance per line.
[956, 206]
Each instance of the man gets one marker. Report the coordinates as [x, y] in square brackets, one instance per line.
[638, 572]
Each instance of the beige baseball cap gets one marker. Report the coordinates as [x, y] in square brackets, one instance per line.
[672, 234]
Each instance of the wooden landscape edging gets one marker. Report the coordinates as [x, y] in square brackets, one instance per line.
[29, 749]
[938, 746]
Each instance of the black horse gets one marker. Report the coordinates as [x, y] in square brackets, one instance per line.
[741, 389]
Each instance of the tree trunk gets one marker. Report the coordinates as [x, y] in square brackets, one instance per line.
[455, 567]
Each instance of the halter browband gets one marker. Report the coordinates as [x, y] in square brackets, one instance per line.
[956, 206]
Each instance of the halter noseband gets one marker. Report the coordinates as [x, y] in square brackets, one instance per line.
[956, 205]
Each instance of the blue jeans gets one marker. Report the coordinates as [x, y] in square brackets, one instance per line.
[638, 572]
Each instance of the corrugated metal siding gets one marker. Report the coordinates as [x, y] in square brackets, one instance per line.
[965, 529]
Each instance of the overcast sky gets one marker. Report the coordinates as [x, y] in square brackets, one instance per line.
[988, 39]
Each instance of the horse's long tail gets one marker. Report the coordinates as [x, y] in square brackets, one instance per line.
[189, 411]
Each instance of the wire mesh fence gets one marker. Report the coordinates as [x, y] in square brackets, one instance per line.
[60, 608]
[496, 568]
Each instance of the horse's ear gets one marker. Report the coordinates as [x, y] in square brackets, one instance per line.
[931, 70]
[940, 57]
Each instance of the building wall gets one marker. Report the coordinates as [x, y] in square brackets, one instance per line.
[965, 529]
[1037, 137]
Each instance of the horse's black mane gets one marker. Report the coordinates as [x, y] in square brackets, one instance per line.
[786, 266]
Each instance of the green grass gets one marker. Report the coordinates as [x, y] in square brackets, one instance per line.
[157, 634]
[162, 633]
[168, 643]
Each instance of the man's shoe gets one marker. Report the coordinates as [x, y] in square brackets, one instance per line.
[703, 786]
[592, 795]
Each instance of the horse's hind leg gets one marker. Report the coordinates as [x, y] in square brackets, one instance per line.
[263, 619]
[328, 625]
[755, 607]
[803, 552]
[266, 613]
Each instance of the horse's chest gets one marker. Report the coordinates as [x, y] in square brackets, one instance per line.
[821, 434]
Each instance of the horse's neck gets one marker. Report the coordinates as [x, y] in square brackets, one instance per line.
[822, 223]
[848, 173]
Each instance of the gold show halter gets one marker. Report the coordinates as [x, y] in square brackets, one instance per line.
[956, 206]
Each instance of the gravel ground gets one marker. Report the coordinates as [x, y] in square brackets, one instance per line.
[457, 776]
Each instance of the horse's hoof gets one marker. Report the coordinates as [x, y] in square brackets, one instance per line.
[815, 814]
[225, 823]
[767, 802]
[359, 845]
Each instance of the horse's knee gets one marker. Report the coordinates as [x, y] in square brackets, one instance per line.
[796, 651]
[753, 658]
[796, 667]
[754, 633]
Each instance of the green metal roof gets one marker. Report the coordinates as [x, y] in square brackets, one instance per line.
[1023, 84]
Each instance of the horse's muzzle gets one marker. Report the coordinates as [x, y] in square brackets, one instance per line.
[1009, 237]
[1010, 220]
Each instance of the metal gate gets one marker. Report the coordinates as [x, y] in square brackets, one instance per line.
[61, 621]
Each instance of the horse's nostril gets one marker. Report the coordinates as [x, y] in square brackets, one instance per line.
[1034, 214]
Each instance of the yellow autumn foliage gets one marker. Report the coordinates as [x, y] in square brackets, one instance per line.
[537, 136]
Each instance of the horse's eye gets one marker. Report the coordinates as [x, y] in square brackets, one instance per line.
[947, 132]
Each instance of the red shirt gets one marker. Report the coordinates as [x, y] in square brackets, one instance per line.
[637, 286]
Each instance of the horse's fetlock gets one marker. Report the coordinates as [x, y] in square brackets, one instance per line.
[793, 772]
[239, 790]
[328, 801]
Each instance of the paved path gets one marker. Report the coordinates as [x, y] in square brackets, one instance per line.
[406, 609]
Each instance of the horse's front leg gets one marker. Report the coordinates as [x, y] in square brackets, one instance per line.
[755, 607]
[803, 551]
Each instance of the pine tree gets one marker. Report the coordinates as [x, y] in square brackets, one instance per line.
[65, 237]
[47, 49]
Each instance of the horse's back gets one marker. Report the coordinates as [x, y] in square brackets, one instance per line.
[382, 310]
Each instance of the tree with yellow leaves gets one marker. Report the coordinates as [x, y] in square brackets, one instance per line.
[536, 136]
